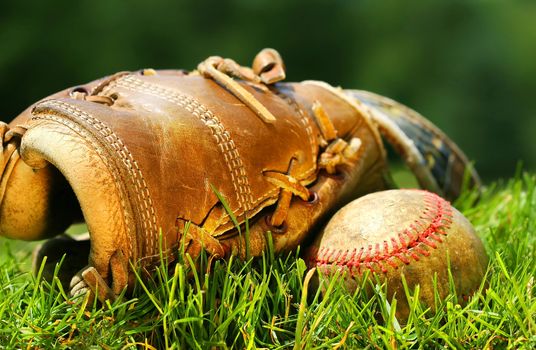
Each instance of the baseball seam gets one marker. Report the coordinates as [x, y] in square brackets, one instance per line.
[406, 245]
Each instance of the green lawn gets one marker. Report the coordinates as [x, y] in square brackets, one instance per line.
[263, 303]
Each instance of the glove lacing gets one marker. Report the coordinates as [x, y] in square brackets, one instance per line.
[268, 68]
[10, 141]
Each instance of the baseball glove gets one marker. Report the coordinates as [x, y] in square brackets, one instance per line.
[188, 158]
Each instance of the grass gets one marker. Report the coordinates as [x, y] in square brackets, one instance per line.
[265, 302]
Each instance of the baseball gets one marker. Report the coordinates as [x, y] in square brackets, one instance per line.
[395, 233]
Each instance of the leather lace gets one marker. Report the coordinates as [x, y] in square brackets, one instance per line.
[80, 93]
[10, 140]
[267, 69]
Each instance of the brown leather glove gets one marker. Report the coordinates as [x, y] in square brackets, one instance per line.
[190, 156]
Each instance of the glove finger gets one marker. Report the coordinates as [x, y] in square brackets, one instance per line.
[78, 286]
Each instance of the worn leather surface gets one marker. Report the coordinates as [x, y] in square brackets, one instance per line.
[152, 160]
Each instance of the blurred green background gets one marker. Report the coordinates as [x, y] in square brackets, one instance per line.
[469, 66]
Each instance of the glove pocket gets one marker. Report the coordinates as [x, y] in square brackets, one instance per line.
[36, 203]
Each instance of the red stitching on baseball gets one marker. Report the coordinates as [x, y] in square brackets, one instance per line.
[409, 244]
